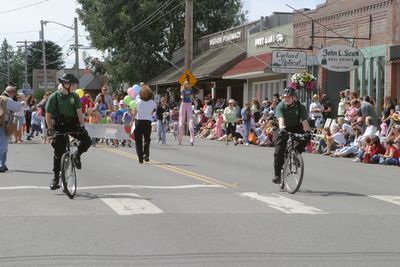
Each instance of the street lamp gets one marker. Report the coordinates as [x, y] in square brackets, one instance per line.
[75, 29]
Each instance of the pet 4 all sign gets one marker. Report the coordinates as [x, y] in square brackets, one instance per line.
[340, 58]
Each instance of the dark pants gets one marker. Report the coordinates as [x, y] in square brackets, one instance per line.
[59, 143]
[280, 147]
[142, 131]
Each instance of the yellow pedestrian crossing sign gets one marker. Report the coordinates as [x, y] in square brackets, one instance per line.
[187, 76]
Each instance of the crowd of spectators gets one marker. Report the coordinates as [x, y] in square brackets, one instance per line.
[357, 132]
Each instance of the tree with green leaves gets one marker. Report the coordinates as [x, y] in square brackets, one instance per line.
[137, 46]
[54, 57]
[11, 66]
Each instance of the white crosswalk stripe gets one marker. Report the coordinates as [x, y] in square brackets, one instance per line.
[391, 199]
[283, 204]
[130, 204]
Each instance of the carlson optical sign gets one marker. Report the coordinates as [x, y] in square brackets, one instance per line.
[340, 58]
[288, 61]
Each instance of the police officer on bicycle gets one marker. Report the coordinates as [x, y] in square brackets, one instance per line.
[292, 117]
[64, 114]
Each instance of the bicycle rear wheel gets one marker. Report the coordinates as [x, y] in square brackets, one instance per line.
[68, 175]
[293, 171]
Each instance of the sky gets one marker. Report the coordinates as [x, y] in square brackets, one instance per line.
[20, 20]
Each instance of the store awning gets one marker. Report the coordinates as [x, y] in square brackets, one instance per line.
[395, 54]
[251, 67]
[211, 64]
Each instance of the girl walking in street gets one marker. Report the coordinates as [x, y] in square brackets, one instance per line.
[162, 120]
[143, 112]
[186, 112]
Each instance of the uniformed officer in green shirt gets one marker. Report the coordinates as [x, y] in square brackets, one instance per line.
[292, 117]
[64, 114]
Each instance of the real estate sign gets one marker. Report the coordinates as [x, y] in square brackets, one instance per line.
[340, 58]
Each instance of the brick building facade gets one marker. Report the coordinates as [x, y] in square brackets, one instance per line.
[379, 75]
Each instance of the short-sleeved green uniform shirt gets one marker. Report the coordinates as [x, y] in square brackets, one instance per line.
[67, 105]
[293, 115]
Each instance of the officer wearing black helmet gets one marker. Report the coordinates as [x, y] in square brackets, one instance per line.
[292, 117]
[64, 114]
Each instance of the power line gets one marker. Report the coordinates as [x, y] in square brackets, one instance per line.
[151, 22]
[147, 20]
[22, 7]
[10, 33]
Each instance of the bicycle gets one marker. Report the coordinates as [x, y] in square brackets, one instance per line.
[293, 167]
[68, 172]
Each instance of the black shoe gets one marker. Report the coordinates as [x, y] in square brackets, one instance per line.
[55, 184]
[146, 158]
[5, 168]
[141, 161]
[77, 161]
[2, 170]
[276, 180]
[29, 138]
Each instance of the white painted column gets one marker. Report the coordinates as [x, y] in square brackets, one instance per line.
[214, 84]
[228, 92]
[245, 92]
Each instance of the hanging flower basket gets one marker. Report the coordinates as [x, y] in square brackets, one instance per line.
[303, 80]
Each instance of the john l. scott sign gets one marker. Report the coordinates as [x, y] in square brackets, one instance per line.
[340, 58]
[285, 61]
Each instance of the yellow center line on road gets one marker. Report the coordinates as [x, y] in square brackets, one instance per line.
[174, 169]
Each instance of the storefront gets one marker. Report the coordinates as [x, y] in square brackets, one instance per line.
[368, 25]
[213, 56]
[395, 73]
[260, 81]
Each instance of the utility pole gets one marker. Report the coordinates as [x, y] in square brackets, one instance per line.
[44, 55]
[189, 34]
[76, 48]
[26, 58]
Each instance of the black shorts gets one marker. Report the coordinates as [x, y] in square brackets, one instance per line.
[231, 129]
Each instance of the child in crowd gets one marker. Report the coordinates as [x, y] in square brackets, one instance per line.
[162, 120]
[205, 131]
[93, 118]
[335, 140]
[219, 122]
[372, 151]
[252, 137]
[391, 156]
[208, 109]
[322, 145]
[266, 138]
[36, 123]
[19, 119]
[175, 121]
[127, 120]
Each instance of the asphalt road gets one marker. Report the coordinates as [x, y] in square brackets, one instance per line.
[206, 205]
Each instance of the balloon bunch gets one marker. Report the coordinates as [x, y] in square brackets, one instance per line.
[133, 95]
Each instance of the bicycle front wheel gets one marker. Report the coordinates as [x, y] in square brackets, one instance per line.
[68, 175]
[293, 172]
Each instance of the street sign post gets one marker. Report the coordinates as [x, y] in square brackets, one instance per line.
[187, 76]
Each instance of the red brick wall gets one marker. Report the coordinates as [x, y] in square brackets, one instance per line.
[350, 18]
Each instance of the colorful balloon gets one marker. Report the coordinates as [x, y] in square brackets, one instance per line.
[80, 92]
[127, 100]
[130, 92]
[136, 89]
[132, 104]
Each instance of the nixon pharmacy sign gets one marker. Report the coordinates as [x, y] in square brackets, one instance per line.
[340, 58]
